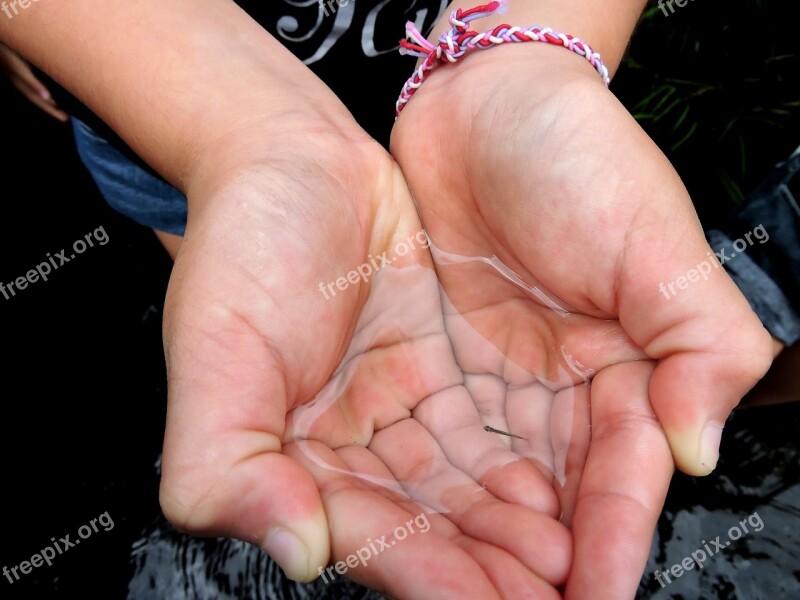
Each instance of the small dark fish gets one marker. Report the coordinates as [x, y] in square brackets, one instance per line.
[493, 430]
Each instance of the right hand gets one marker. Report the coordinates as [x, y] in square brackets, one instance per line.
[21, 76]
[540, 166]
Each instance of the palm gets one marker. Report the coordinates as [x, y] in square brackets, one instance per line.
[354, 403]
[550, 175]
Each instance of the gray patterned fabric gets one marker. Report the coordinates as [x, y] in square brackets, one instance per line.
[170, 565]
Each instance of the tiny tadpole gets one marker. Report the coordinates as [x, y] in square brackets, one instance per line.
[493, 430]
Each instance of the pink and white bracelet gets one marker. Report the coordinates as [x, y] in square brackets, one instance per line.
[456, 42]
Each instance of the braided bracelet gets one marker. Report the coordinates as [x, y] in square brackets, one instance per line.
[456, 42]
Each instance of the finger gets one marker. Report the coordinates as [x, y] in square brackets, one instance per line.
[36, 92]
[377, 542]
[694, 392]
[50, 108]
[504, 571]
[538, 541]
[488, 392]
[223, 471]
[509, 576]
[571, 433]
[711, 347]
[453, 420]
[528, 411]
[624, 484]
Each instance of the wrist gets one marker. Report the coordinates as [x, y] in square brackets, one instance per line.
[259, 109]
[606, 25]
[290, 149]
[491, 80]
[259, 136]
[463, 40]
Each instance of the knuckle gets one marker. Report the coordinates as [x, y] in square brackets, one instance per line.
[184, 505]
[753, 353]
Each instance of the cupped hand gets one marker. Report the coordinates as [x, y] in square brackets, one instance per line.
[313, 411]
[539, 189]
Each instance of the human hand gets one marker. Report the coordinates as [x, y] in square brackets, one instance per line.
[21, 76]
[309, 419]
[541, 167]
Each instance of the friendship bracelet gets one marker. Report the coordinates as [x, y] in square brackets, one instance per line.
[454, 44]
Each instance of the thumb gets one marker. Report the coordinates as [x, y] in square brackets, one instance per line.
[682, 308]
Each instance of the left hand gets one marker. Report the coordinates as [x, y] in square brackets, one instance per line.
[521, 153]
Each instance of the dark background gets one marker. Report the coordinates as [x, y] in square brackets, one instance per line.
[83, 380]
[83, 396]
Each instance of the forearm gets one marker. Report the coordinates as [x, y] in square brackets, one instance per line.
[606, 25]
[179, 81]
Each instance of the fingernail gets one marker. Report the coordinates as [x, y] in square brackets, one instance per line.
[709, 445]
[289, 552]
[45, 95]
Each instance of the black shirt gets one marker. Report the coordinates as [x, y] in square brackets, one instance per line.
[352, 48]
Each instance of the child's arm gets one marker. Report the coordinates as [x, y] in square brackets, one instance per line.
[179, 81]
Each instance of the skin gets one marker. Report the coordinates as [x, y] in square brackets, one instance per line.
[253, 348]
[267, 223]
[549, 159]
[532, 173]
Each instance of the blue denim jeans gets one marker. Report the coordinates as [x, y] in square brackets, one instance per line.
[129, 188]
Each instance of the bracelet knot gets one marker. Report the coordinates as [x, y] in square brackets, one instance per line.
[458, 40]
